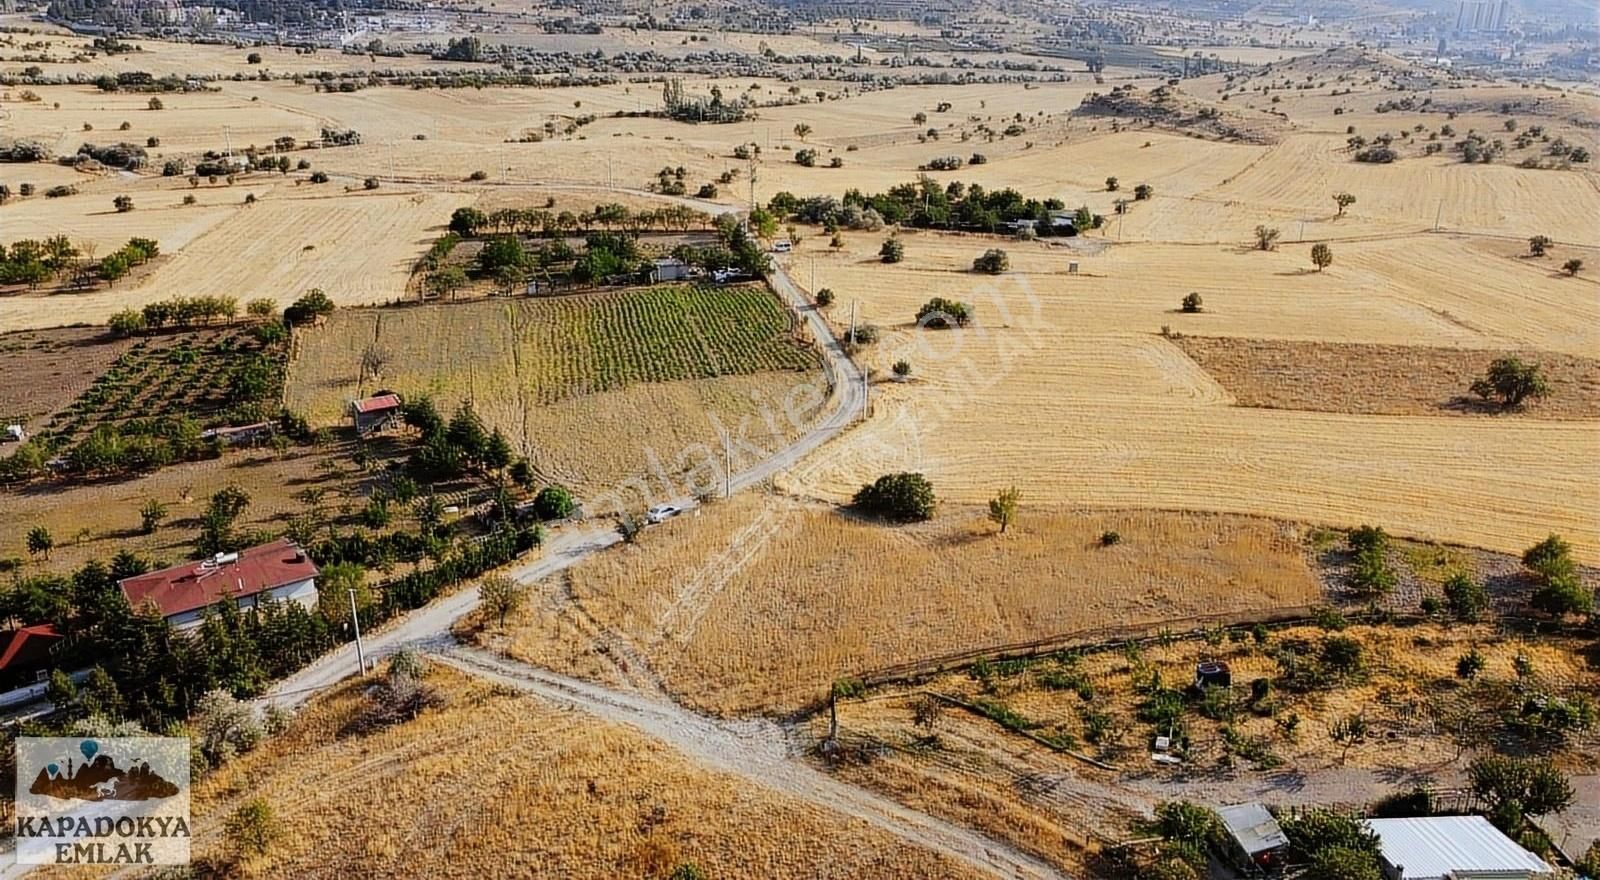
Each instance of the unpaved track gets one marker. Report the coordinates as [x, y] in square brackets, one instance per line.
[759, 750]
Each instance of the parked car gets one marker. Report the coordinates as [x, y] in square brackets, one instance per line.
[662, 513]
[722, 276]
[782, 246]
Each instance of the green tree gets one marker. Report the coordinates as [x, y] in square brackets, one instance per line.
[1003, 508]
[892, 251]
[313, 305]
[1266, 238]
[1321, 256]
[824, 298]
[993, 262]
[901, 369]
[1468, 665]
[1465, 597]
[151, 515]
[466, 433]
[123, 204]
[1143, 192]
[467, 221]
[501, 596]
[40, 543]
[802, 131]
[1343, 200]
[1347, 732]
[904, 497]
[127, 322]
[447, 281]
[502, 250]
[333, 592]
[1550, 559]
[1191, 303]
[1512, 381]
[1345, 863]
[497, 453]
[939, 313]
[1573, 266]
[1534, 785]
[1112, 184]
[553, 502]
[1538, 245]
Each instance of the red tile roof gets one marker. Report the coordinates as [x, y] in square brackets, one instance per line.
[377, 404]
[28, 645]
[198, 584]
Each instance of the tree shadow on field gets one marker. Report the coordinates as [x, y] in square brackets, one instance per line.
[1297, 273]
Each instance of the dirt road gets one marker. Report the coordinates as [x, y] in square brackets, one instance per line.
[757, 749]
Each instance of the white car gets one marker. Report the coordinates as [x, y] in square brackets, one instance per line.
[662, 513]
[782, 246]
[722, 276]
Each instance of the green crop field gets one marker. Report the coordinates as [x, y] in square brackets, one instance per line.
[661, 334]
[542, 351]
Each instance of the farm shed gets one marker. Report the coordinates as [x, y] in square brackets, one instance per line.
[240, 435]
[1451, 848]
[279, 570]
[1254, 838]
[377, 413]
[669, 269]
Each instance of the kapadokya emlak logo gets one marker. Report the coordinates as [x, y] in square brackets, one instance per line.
[102, 800]
[99, 778]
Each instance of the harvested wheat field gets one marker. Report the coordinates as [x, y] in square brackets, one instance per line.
[491, 783]
[596, 389]
[1383, 379]
[758, 604]
[1063, 384]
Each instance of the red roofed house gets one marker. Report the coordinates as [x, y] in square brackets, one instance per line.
[25, 654]
[278, 570]
[376, 413]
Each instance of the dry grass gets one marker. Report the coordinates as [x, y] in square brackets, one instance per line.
[1062, 384]
[1408, 695]
[48, 369]
[758, 605]
[96, 520]
[494, 783]
[1383, 379]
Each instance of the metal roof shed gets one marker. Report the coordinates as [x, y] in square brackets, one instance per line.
[1452, 848]
[1257, 839]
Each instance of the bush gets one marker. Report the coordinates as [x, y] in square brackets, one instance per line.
[123, 204]
[1189, 823]
[1191, 303]
[1110, 539]
[253, 827]
[993, 262]
[1512, 381]
[939, 313]
[553, 502]
[319, 177]
[903, 497]
[807, 158]
[370, 183]
[892, 251]
[824, 297]
[1465, 597]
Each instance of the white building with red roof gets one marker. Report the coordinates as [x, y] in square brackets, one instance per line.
[279, 570]
[381, 412]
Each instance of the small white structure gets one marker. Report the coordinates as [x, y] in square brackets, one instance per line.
[1451, 848]
[669, 269]
[14, 434]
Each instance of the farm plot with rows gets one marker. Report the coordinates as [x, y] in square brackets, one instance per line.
[586, 386]
[548, 350]
[197, 375]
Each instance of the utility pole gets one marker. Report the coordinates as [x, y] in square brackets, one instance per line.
[1437, 214]
[866, 396]
[813, 274]
[852, 336]
[355, 621]
[727, 467]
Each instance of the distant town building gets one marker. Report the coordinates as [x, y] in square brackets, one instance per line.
[378, 413]
[1483, 15]
[1451, 848]
[278, 570]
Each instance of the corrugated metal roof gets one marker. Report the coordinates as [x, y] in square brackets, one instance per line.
[1253, 827]
[1437, 846]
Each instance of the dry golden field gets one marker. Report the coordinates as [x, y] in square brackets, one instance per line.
[493, 783]
[1383, 379]
[1064, 385]
[758, 604]
[594, 388]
